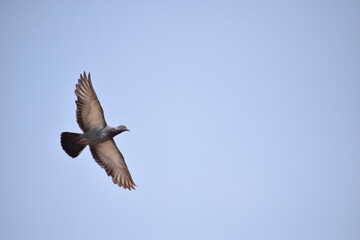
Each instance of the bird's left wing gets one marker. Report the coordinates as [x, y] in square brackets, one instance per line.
[89, 113]
[108, 156]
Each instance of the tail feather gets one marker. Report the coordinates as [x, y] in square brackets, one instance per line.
[68, 143]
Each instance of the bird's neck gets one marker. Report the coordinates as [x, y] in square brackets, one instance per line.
[115, 131]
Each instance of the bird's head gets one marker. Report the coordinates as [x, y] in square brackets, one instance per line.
[121, 128]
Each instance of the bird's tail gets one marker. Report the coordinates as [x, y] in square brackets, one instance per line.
[69, 144]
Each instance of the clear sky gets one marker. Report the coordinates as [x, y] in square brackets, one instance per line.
[244, 118]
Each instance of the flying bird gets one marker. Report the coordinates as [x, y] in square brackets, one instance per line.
[97, 134]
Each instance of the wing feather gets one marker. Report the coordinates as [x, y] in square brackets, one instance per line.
[89, 113]
[108, 156]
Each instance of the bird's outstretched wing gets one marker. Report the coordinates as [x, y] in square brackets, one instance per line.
[89, 113]
[108, 156]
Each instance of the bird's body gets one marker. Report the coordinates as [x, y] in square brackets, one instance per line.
[97, 134]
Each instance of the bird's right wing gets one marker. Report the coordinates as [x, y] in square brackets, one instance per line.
[108, 156]
[89, 113]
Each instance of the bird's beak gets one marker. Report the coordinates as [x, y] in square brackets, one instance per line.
[127, 130]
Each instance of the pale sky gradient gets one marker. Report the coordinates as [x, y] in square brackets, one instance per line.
[244, 118]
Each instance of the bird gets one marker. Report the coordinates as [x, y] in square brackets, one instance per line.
[97, 134]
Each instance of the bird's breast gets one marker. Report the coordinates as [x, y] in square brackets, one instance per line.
[96, 136]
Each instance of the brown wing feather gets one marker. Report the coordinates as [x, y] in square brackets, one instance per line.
[89, 113]
[108, 156]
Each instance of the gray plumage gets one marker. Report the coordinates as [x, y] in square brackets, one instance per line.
[97, 134]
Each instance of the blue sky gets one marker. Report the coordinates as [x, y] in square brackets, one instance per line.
[244, 118]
